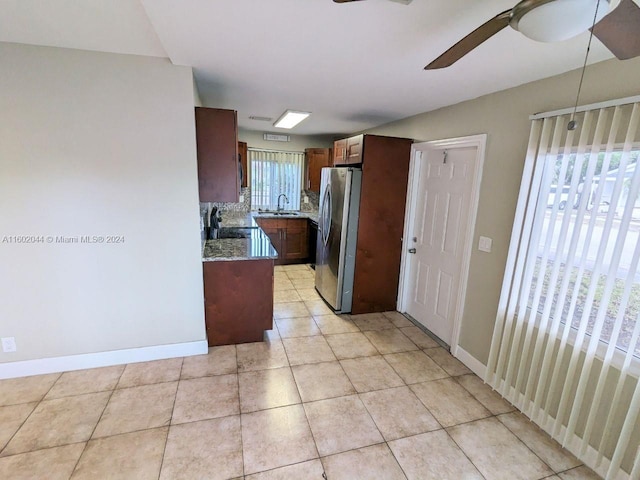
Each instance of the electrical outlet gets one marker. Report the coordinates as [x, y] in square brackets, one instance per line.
[241, 199]
[484, 244]
[306, 199]
[9, 344]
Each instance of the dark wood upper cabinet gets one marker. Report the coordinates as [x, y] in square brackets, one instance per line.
[217, 146]
[340, 152]
[354, 150]
[348, 151]
[317, 159]
[242, 156]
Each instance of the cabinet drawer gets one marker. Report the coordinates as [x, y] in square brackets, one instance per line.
[271, 223]
[297, 225]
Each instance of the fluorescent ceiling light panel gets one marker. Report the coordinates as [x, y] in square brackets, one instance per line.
[290, 119]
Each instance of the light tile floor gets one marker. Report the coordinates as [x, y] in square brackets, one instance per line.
[361, 397]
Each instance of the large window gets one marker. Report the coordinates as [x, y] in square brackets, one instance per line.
[566, 347]
[587, 274]
[272, 174]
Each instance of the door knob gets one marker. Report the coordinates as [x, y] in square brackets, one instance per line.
[412, 250]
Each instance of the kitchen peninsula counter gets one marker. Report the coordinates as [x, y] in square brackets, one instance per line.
[238, 280]
[256, 246]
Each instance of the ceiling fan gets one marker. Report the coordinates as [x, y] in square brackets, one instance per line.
[617, 27]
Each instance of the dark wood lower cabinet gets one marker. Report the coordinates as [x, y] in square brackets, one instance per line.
[296, 239]
[238, 300]
[289, 236]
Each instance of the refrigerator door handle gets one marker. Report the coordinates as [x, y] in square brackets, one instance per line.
[326, 215]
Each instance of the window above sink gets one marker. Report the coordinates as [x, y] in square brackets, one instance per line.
[276, 173]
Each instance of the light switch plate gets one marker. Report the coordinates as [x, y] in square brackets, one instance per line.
[484, 244]
[9, 344]
[241, 199]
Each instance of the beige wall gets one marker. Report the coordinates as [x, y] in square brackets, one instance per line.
[504, 116]
[197, 101]
[255, 139]
[97, 144]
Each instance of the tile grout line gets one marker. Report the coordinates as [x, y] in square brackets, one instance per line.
[455, 378]
[289, 366]
[463, 452]
[304, 410]
[527, 445]
[173, 407]
[384, 440]
[240, 410]
[363, 404]
[358, 394]
[37, 404]
[96, 425]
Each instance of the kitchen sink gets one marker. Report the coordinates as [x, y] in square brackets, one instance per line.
[271, 212]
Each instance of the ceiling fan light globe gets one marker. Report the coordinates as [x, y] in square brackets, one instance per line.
[557, 20]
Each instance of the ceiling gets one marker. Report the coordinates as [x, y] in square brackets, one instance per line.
[355, 65]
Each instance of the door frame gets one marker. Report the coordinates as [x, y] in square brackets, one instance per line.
[479, 142]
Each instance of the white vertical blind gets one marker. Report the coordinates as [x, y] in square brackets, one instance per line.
[274, 173]
[565, 347]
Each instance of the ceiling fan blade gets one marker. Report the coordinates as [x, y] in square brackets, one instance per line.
[471, 41]
[620, 30]
[345, 1]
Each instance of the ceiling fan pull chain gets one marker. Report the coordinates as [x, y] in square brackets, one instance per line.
[572, 125]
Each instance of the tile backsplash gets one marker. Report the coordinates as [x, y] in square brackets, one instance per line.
[314, 201]
[232, 209]
[245, 206]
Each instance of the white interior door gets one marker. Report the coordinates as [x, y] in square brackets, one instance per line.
[442, 203]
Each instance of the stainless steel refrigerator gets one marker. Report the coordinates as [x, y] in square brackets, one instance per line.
[337, 235]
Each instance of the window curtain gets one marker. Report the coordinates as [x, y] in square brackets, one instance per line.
[565, 347]
[274, 173]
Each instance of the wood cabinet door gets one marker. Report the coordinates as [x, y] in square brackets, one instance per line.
[273, 227]
[229, 317]
[242, 157]
[217, 147]
[354, 149]
[275, 235]
[296, 239]
[385, 168]
[340, 152]
[317, 159]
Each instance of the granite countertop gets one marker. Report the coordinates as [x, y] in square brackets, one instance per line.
[255, 246]
[248, 219]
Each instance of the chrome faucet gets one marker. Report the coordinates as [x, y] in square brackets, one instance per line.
[285, 199]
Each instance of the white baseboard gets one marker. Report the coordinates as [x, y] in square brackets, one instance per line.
[475, 365]
[41, 366]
